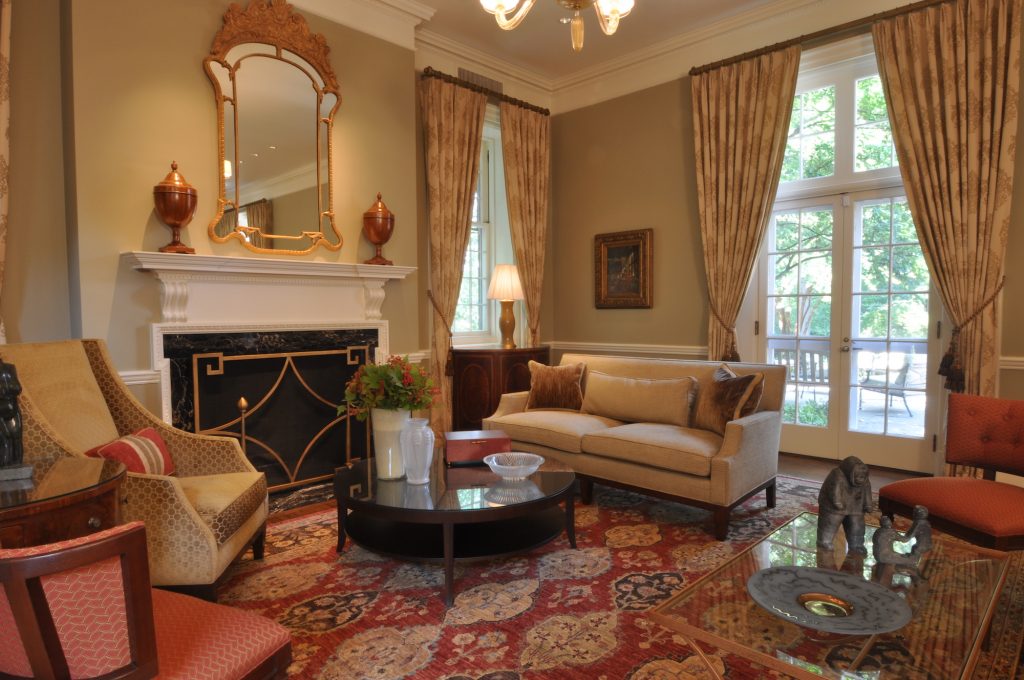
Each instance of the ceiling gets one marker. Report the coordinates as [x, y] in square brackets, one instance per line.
[541, 43]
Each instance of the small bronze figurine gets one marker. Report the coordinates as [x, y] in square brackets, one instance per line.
[10, 416]
[882, 545]
[844, 498]
[921, 530]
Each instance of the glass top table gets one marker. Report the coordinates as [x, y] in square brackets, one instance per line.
[463, 513]
[952, 598]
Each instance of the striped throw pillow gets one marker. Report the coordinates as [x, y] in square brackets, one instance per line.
[144, 451]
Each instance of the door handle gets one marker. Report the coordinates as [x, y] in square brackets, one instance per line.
[844, 348]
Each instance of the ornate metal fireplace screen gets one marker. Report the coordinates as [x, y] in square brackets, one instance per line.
[291, 428]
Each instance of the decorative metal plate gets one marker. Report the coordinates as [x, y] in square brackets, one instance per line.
[826, 600]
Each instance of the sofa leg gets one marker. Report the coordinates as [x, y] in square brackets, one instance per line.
[586, 491]
[720, 519]
[769, 494]
[259, 543]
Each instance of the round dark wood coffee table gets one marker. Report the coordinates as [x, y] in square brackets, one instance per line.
[465, 513]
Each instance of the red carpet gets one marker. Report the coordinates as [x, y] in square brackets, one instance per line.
[555, 613]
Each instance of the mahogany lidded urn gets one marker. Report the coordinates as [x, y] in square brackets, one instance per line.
[175, 201]
[378, 223]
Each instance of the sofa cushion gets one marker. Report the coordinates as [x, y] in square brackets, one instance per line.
[555, 386]
[554, 429]
[681, 449]
[144, 451]
[225, 501]
[666, 400]
[722, 400]
[724, 372]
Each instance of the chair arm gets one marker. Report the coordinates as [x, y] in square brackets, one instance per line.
[182, 548]
[749, 456]
[511, 402]
[200, 454]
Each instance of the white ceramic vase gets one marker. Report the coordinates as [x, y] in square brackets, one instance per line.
[418, 450]
[387, 445]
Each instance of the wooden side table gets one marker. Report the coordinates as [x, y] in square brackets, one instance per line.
[68, 498]
[483, 375]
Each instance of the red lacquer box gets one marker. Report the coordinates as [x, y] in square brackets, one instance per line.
[470, 446]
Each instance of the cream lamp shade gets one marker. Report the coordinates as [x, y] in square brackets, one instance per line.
[505, 283]
[506, 288]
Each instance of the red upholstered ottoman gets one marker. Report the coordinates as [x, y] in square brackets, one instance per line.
[991, 508]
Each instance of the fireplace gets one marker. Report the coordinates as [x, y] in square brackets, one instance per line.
[285, 334]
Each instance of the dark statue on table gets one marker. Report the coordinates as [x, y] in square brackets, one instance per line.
[10, 417]
[844, 498]
[885, 538]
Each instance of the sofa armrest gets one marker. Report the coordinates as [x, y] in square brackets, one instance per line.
[182, 548]
[749, 456]
[511, 402]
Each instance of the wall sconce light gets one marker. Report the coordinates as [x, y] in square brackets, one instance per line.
[505, 287]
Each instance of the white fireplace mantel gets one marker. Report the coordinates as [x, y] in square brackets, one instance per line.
[197, 289]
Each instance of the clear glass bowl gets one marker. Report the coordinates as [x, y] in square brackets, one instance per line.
[513, 465]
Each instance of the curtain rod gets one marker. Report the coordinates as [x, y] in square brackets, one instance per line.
[822, 37]
[430, 72]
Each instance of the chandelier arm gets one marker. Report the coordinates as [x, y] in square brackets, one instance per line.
[509, 23]
[608, 24]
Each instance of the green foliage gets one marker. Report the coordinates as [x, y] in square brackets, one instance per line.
[812, 413]
[396, 384]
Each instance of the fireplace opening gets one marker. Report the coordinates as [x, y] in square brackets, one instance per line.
[292, 383]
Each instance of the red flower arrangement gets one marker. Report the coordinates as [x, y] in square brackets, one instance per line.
[395, 384]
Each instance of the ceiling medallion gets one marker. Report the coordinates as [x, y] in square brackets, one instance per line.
[510, 13]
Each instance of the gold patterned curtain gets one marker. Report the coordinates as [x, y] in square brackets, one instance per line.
[453, 123]
[526, 147]
[740, 120]
[261, 214]
[5, 142]
[954, 122]
[951, 74]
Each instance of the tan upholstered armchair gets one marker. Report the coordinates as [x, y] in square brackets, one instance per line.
[198, 520]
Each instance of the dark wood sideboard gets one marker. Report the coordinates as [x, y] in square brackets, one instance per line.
[482, 375]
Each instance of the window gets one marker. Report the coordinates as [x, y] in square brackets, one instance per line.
[839, 133]
[490, 242]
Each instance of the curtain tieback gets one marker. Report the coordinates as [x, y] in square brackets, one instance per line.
[449, 367]
[950, 366]
[732, 353]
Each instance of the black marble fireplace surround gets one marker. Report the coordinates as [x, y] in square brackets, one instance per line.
[293, 381]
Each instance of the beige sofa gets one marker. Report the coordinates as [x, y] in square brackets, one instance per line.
[693, 466]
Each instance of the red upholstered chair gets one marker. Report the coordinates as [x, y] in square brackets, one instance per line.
[84, 608]
[988, 433]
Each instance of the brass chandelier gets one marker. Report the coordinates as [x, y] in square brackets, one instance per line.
[510, 13]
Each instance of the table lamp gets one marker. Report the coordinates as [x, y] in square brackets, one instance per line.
[506, 288]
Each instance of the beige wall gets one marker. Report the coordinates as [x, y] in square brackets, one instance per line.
[628, 163]
[35, 300]
[147, 102]
[620, 165]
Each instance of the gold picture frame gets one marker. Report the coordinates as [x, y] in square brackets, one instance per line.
[622, 269]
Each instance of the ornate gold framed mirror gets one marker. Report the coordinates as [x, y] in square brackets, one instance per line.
[276, 96]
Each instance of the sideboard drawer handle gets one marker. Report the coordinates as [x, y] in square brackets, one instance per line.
[94, 522]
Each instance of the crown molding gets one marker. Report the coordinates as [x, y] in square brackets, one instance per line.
[447, 55]
[392, 20]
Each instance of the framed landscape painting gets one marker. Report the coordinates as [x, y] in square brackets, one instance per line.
[622, 269]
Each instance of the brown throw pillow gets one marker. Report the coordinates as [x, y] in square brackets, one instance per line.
[721, 401]
[555, 386]
[754, 400]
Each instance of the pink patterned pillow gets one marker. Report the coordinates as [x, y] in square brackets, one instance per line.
[144, 451]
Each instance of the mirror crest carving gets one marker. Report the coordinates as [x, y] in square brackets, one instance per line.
[276, 95]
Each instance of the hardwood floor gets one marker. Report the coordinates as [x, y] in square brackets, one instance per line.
[817, 469]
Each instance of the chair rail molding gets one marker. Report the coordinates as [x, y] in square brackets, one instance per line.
[689, 351]
[216, 289]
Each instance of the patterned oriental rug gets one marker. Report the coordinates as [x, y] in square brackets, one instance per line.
[555, 613]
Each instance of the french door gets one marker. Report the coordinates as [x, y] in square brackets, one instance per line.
[845, 297]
